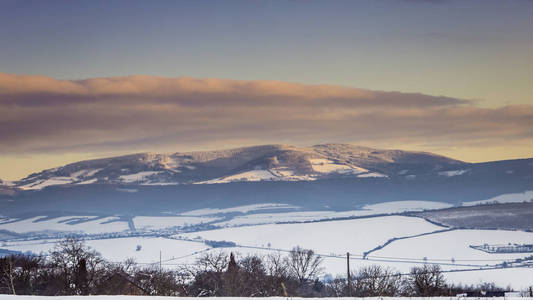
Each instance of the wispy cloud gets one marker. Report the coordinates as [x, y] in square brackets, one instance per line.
[44, 114]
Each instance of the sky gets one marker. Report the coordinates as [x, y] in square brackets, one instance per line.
[88, 79]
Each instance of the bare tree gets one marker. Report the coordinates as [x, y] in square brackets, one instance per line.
[276, 275]
[253, 279]
[275, 266]
[375, 280]
[303, 264]
[7, 278]
[212, 262]
[80, 267]
[207, 274]
[337, 287]
[426, 280]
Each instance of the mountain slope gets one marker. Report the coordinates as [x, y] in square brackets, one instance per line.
[259, 163]
[323, 177]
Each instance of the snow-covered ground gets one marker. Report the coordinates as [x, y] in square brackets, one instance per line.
[144, 250]
[76, 177]
[356, 236]
[453, 173]
[455, 245]
[305, 216]
[40, 184]
[275, 174]
[372, 174]
[331, 240]
[249, 215]
[155, 223]
[327, 166]
[419, 241]
[172, 251]
[137, 176]
[526, 196]
[403, 206]
[87, 224]
[238, 209]
[255, 175]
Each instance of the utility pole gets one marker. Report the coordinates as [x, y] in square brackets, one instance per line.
[348, 277]
[160, 265]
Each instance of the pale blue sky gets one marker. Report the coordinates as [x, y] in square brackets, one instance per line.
[467, 49]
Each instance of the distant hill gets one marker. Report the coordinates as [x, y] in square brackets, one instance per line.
[259, 163]
[329, 176]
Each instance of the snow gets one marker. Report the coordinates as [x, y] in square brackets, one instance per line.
[304, 216]
[453, 173]
[160, 183]
[36, 247]
[327, 166]
[137, 176]
[120, 249]
[361, 235]
[372, 174]
[255, 175]
[270, 218]
[88, 181]
[286, 174]
[48, 182]
[88, 225]
[403, 206]
[123, 248]
[526, 196]
[274, 174]
[356, 236]
[85, 173]
[517, 278]
[155, 223]
[239, 209]
[456, 244]
[329, 238]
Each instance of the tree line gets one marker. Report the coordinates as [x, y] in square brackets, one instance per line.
[72, 268]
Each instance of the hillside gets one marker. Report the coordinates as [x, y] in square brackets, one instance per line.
[335, 177]
[259, 163]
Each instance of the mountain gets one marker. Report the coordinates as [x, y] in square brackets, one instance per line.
[260, 163]
[332, 176]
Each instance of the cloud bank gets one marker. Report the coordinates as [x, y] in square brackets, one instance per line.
[42, 114]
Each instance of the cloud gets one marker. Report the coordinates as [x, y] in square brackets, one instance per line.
[42, 114]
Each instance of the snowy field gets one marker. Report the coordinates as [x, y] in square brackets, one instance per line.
[238, 209]
[526, 196]
[305, 216]
[237, 216]
[455, 244]
[356, 236]
[86, 224]
[156, 223]
[400, 242]
[331, 240]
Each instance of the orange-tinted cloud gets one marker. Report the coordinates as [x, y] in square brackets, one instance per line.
[44, 114]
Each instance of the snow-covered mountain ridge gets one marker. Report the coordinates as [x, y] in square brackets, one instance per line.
[258, 163]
